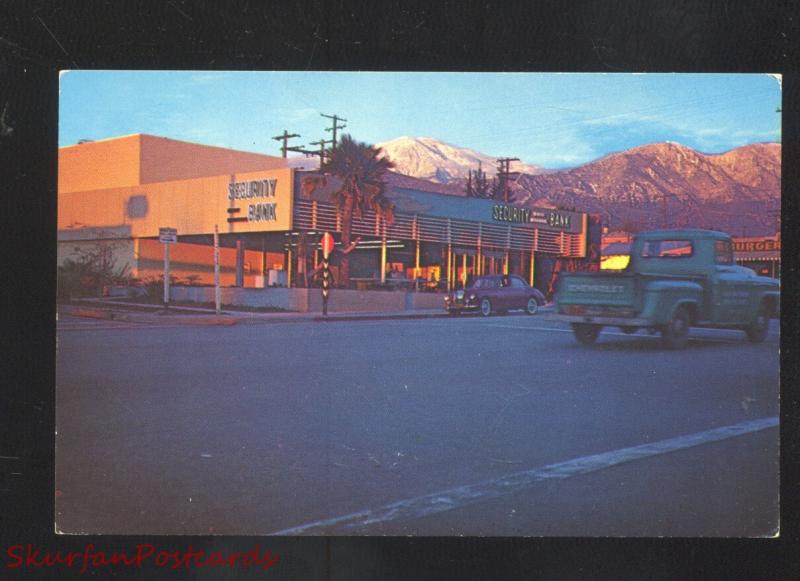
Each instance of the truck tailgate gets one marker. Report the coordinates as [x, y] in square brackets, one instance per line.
[597, 289]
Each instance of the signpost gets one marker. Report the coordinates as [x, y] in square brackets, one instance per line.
[217, 294]
[167, 236]
[327, 248]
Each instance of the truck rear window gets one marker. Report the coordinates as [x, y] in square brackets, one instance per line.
[667, 249]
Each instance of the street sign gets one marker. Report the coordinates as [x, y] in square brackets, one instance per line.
[167, 235]
[327, 245]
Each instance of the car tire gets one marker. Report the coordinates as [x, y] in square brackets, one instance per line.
[532, 307]
[675, 334]
[486, 307]
[585, 333]
[758, 330]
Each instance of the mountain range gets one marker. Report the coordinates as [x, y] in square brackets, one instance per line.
[650, 186]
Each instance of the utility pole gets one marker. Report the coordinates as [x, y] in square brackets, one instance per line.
[285, 138]
[503, 171]
[321, 152]
[285, 147]
[335, 126]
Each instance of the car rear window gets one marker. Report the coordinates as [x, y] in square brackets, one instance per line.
[667, 249]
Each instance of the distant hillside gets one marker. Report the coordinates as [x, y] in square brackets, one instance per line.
[737, 191]
[434, 160]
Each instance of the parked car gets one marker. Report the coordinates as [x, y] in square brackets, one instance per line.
[494, 293]
[675, 279]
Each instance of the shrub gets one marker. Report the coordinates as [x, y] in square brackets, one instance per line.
[90, 270]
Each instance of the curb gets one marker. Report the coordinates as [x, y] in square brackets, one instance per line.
[337, 318]
[151, 318]
[206, 322]
[100, 314]
[230, 319]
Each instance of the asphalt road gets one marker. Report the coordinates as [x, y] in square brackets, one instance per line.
[473, 426]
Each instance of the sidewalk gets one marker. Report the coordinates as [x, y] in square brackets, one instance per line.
[181, 315]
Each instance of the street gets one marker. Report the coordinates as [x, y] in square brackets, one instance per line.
[461, 426]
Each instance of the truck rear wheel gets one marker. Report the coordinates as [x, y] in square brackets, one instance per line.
[676, 334]
[585, 333]
[757, 331]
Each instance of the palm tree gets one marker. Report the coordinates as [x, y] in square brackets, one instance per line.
[360, 170]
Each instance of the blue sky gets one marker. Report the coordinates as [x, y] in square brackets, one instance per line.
[552, 120]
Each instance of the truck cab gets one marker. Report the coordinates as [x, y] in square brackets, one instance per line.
[675, 279]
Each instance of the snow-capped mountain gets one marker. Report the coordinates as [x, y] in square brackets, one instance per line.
[303, 162]
[737, 191]
[431, 159]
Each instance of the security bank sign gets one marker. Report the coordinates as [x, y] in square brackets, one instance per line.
[257, 211]
[260, 204]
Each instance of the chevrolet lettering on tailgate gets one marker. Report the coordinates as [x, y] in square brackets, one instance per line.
[597, 288]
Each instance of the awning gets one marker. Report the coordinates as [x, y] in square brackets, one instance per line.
[758, 256]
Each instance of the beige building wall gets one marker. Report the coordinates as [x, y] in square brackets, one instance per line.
[142, 159]
[165, 159]
[192, 206]
[110, 163]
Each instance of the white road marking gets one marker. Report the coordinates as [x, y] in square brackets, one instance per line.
[468, 494]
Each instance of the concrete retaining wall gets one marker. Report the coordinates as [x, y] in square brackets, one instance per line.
[310, 300]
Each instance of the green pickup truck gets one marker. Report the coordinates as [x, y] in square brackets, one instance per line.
[675, 279]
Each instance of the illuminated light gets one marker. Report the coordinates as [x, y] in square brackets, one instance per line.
[619, 262]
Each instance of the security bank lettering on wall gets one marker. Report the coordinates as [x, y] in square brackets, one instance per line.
[257, 211]
[547, 219]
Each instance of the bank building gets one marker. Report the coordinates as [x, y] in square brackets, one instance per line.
[122, 191]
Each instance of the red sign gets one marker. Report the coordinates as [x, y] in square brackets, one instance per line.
[764, 244]
[327, 245]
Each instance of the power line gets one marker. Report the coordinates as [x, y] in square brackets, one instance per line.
[503, 167]
[285, 137]
[321, 152]
[335, 118]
